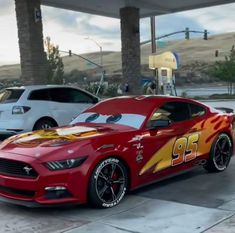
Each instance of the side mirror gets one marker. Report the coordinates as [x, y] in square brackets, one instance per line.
[154, 124]
[95, 100]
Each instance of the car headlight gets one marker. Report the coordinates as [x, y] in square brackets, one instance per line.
[65, 164]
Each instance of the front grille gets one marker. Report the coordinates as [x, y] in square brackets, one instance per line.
[25, 193]
[17, 168]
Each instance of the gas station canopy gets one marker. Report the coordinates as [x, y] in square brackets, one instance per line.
[147, 7]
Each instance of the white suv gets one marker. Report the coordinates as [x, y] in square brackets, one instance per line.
[29, 108]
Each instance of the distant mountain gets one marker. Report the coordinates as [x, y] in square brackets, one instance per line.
[195, 56]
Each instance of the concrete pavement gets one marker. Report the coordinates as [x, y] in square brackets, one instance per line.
[193, 202]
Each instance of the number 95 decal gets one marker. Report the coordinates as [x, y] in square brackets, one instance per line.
[185, 149]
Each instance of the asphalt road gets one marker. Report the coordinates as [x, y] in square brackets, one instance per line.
[221, 103]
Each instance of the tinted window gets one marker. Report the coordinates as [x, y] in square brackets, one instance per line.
[197, 110]
[39, 95]
[59, 95]
[10, 95]
[70, 95]
[173, 111]
[77, 96]
[128, 119]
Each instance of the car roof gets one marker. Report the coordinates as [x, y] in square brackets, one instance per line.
[135, 104]
[36, 87]
[152, 98]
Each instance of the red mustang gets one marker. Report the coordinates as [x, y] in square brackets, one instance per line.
[117, 145]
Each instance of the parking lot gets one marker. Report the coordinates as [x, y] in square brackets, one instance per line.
[195, 201]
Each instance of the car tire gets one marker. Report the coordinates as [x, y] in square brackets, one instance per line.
[220, 154]
[108, 183]
[44, 124]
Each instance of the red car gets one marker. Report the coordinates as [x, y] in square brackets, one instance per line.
[117, 145]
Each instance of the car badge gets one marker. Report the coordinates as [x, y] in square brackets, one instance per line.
[136, 138]
[27, 169]
[139, 158]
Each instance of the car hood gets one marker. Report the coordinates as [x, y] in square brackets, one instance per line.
[42, 142]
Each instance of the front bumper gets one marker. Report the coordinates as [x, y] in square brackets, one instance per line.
[35, 192]
[32, 204]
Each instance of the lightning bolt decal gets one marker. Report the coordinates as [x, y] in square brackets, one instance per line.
[208, 130]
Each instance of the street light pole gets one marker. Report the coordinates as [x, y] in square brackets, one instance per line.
[101, 50]
[101, 64]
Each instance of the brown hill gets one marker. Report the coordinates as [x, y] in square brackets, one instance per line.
[195, 55]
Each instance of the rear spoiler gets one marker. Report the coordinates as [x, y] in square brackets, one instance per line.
[225, 110]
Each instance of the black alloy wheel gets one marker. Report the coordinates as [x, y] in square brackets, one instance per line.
[44, 124]
[220, 154]
[108, 183]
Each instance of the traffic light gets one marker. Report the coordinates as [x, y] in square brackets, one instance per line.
[70, 53]
[205, 34]
[187, 33]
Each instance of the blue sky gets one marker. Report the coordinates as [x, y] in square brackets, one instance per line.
[69, 29]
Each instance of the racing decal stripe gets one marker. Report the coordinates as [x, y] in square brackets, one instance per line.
[162, 158]
[207, 131]
[56, 136]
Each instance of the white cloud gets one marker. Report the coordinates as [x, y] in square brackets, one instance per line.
[75, 40]
[9, 49]
[105, 22]
[68, 28]
[6, 7]
[218, 19]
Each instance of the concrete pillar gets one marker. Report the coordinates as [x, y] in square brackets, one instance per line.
[130, 36]
[33, 58]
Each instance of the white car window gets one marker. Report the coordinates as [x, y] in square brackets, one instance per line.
[10, 95]
[132, 120]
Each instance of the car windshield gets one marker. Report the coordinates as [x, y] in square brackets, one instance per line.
[132, 120]
[10, 95]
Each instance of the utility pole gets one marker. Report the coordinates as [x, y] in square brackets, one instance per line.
[154, 47]
[153, 34]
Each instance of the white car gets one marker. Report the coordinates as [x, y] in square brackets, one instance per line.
[28, 108]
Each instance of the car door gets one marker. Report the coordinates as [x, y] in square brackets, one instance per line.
[170, 145]
[68, 103]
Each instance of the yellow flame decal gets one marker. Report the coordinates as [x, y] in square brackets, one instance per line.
[207, 129]
[36, 138]
[162, 158]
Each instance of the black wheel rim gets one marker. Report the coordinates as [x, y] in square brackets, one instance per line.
[222, 153]
[46, 126]
[110, 183]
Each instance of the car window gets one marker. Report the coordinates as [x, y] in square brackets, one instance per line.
[42, 94]
[59, 95]
[10, 95]
[70, 95]
[132, 120]
[196, 110]
[77, 96]
[172, 111]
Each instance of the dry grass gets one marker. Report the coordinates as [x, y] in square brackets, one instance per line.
[189, 51]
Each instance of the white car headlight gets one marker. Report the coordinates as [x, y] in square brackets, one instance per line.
[65, 164]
